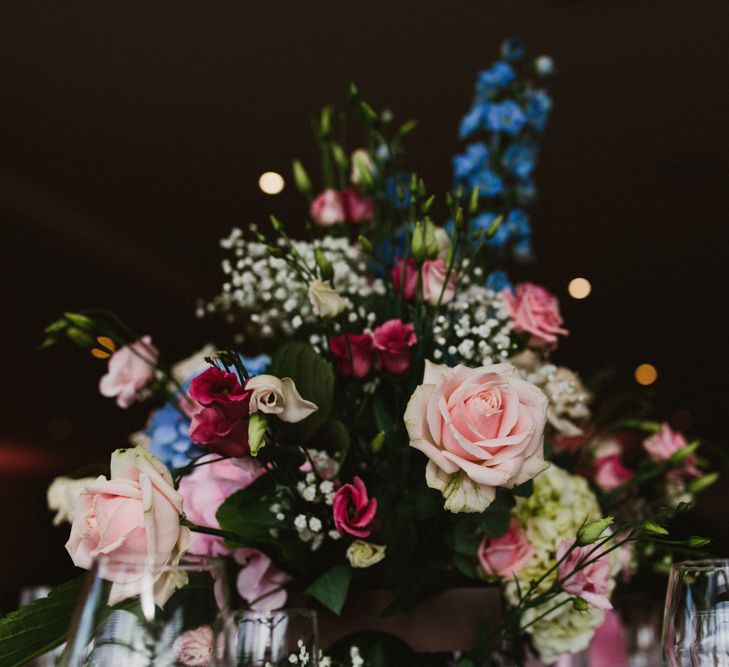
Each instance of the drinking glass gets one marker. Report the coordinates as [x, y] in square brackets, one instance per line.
[128, 615]
[696, 618]
[30, 594]
[274, 638]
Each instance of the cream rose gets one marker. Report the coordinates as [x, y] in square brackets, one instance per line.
[365, 554]
[278, 397]
[134, 517]
[62, 496]
[481, 428]
[325, 299]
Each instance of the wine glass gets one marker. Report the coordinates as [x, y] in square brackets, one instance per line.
[696, 619]
[274, 638]
[138, 613]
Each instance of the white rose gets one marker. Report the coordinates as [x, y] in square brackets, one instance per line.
[62, 495]
[364, 554]
[325, 299]
[279, 397]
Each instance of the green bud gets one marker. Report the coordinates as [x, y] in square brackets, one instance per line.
[407, 128]
[677, 458]
[377, 442]
[325, 121]
[682, 507]
[428, 203]
[458, 218]
[366, 245]
[494, 227]
[653, 528]
[274, 251]
[700, 484]
[81, 338]
[352, 91]
[362, 169]
[340, 156]
[276, 224]
[413, 184]
[473, 202]
[257, 425]
[421, 188]
[79, 320]
[418, 243]
[696, 541]
[580, 604]
[326, 270]
[429, 240]
[449, 200]
[301, 178]
[592, 531]
[261, 238]
[459, 192]
[55, 327]
[368, 113]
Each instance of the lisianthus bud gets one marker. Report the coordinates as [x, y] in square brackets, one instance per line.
[580, 604]
[326, 269]
[301, 178]
[257, 424]
[430, 240]
[698, 485]
[366, 245]
[377, 442]
[677, 458]
[418, 242]
[362, 168]
[653, 528]
[696, 542]
[364, 554]
[592, 531]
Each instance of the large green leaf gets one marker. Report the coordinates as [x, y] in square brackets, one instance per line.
[332, 587]
[314, 380]
[38, 627]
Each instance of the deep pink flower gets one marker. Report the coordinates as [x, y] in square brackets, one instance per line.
[504, 556]
[394, 339]
[609, 472]
[353, 354]
[328, 209]
[591, 583]
[535, 311]
[357, 207]
[353, 509]
[260, 583]
[130, 368]
[216, 387]
[408, 268]
[434, 274]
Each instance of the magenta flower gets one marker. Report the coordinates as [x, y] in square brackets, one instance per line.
[216, 387]
[357, 207]
[328, 209]
[393, 340]
[353, 354]
[592, 583]
[405, 268]
[609, 472]
[353, 509]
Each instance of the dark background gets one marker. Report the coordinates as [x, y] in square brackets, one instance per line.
[132, 136]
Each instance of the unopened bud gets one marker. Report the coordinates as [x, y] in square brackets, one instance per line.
[696, 541]
[677, 458]
[368, 113]
[276, 224]
[365, 245]
[418, 242]
[428, 203]
[301, 178]
[698, 485]
[325, 121]
[473, 202]
[340, 156]
[80, 337]
[429, 239]
[79, 320]
[592, 531]
[326, 270]
[580, 604]
[653, 528]
[257, 425]
[377, 442]
[494, 227]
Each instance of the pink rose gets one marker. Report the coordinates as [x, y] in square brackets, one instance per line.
[357, 207]
[434, 273]
[481, 428]
[394, 339]
[221, 423]
[260, 583]
[504, 556]
[591, 583]
[328, 209]
[130, 369]
[205, 490]
[608, 472]
[534, 310]
[353, 354]
[407, 268]
[133, 515]
[353, 509]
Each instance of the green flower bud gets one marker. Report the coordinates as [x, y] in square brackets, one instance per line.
[340, 156]
[81, 338]
[494, 227]
[580, 604]
[79, 320]
[366, 245]
[428, 203]
[677, 458]
[458, 218]
[326, 270]
[696, 541]
[653, 528]
[276, 224]
[257, 425]
[700, 484]
[429, 241]
[301, 178]
[592, 531]
[418, 242]
[377, 442]
[325, 121]
[368, 113]
[473, 202]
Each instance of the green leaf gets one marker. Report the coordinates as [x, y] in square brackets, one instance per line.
[463, 540]
[314, 380]
[332, 587]
[524, 490]
[40, 626]
[495, 521]
[465, 565]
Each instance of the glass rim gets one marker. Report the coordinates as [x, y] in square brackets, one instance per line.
[186, 563]
[701, 565]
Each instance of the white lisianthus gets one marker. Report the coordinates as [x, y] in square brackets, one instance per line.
[362, 166]
[279, 397]
[62, 495]
[325, 299]
[365, 554]
[444, 243]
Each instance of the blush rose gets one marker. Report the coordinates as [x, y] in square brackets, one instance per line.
[535, 311]
[504, 556]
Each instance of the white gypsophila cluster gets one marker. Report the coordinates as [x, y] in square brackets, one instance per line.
[476, 330]
[569, 401]
[269, 297]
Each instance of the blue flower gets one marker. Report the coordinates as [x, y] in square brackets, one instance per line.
[506, 116]
[476, 157]
[169, 441]
[471, 121]
[538, 106]
[256, 365]
[526, 192]
[517, 222]
[520, 159]
[523, 250]
[489, 183]
[513, 48]
[498, 281]
[496, 77]
[397, 185]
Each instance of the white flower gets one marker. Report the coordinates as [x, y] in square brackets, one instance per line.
[325, 299]
[62, 495]
[364, 554]
[362, 166]
[280, 397]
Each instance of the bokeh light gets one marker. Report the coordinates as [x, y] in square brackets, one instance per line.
[579, 288]
[646, 374]
[271, 182]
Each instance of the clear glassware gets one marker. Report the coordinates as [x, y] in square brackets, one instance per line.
[696, 618]
[274, 638]
[30, 594]
[127, 617]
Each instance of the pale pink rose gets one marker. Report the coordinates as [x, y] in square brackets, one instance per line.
[664, 444]
[195, 647]
[130, 369]
[204, 491]
[481, 428]
[328, 209]
[504, 556]
[353, 509]
[591, 583]
[358, 208]
[393, 340]
[609, 473]
[260, 583]
[133, 515]
[407, 268]
[535, 311]
[434, 274]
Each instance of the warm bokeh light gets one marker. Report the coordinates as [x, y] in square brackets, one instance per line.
[271, 182]
[646, 374]
[579, 288]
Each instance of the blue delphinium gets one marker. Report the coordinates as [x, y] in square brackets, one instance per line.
[475, 158]
[538, 106]
[498, 281]
[488, 182]
[520, 159]
[397, 189]
[513, 49]
[493, 79]
[506, 116]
